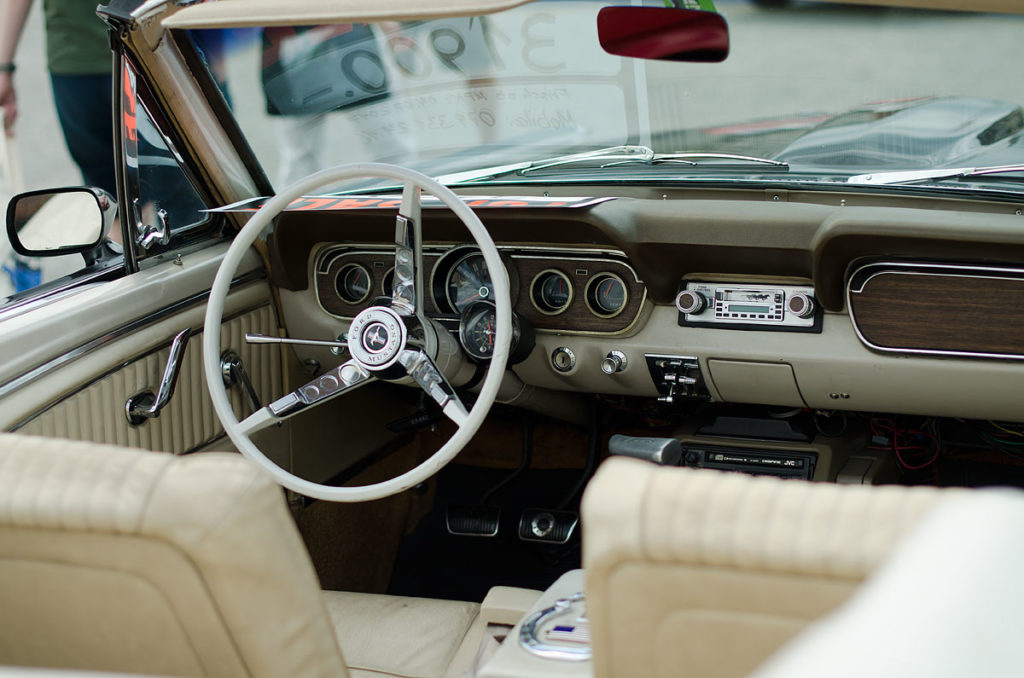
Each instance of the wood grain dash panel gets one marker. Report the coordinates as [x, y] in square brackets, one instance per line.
[578, 317]
[378, 264]
[579, 268]
[962, 313]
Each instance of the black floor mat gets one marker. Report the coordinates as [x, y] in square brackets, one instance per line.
[436, 564]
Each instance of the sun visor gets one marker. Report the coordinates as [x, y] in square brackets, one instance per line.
[230, 13]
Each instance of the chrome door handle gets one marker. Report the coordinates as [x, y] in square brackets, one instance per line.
[146, 405]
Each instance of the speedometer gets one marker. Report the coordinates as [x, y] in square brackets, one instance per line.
[469, 281]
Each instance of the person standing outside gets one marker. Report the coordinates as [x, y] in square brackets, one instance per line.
[79, 60]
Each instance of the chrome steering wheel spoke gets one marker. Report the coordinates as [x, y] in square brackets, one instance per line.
[407, 293]
[331, 384]
[381, 344]
[422, 369]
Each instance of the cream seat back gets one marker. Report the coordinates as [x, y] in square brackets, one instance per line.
[704, 573]
[118, 560]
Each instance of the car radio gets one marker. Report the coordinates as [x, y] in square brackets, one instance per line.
[748, 306]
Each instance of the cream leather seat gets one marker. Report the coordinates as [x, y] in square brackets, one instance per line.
[127, 561]
[703, 573]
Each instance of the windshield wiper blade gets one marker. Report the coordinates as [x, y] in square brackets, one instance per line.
[693, 158]
[616, 156]
[605, 156]
[610, 153]
[927, 175]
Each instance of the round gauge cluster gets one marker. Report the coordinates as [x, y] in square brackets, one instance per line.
[551, 292]
[606, 295]
[353, 283]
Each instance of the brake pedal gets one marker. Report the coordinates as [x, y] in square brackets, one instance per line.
[472, 521]
[547, 526]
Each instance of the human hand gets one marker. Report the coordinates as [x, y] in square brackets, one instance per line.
[8, 102]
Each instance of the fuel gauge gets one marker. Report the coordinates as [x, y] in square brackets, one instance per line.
[353, 283]
[551, 292]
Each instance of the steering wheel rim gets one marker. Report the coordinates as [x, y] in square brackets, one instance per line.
[215, 310]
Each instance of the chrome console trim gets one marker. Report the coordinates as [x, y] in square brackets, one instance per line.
[529, 632]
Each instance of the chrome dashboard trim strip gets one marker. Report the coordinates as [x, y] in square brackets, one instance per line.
[90, 346]
[911, 268]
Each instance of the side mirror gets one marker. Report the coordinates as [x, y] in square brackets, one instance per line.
[663, 33]
[60, 221]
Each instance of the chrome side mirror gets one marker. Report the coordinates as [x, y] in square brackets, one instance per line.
[60, 221]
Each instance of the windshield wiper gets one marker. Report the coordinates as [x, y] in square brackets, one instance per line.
[611, 153]
[615, 156]
[928, 175]
[692, 158]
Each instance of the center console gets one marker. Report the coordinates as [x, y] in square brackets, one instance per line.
[551, 641]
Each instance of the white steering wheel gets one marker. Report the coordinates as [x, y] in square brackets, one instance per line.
[377, 338]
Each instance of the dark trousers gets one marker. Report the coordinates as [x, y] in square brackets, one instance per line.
[84, 108]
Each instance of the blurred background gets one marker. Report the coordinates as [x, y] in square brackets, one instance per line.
[37, 151]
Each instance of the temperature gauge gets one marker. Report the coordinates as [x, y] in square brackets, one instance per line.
[606, 295]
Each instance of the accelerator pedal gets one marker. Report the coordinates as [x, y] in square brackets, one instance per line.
[472, 521]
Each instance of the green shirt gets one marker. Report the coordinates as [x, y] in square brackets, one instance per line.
[76, 39]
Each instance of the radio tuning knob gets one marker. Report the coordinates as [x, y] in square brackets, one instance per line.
[801, 305]
[691, 302]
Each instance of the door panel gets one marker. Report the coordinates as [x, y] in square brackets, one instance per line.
[96, 412]
[74, 362]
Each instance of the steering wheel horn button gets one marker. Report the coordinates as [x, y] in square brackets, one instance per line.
[376, 337]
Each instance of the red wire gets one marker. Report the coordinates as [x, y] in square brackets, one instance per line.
[888, 428]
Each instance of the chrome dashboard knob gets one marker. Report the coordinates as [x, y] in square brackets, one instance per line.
[691, 302]
[801, 305]
[614, 362]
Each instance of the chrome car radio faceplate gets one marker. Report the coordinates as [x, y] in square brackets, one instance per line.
[749, 306]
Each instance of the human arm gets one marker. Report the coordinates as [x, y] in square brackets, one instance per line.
[15, 12]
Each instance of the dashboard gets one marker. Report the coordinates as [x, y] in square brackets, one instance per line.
[859, 302]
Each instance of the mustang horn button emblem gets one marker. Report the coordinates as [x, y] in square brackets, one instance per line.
[375, 337]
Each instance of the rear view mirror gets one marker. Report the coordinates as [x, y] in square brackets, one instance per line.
[663, 33]
[59, 221]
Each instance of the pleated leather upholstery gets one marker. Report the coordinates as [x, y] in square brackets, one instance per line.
[96, 413]
[125, 560]
[700, 572]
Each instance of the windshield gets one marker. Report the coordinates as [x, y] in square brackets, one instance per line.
[827, 91]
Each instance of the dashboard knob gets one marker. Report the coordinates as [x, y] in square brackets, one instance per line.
[691, 302]
[801, 305]
[614, 362]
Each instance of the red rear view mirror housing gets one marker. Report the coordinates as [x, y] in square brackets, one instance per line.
[663, 33]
